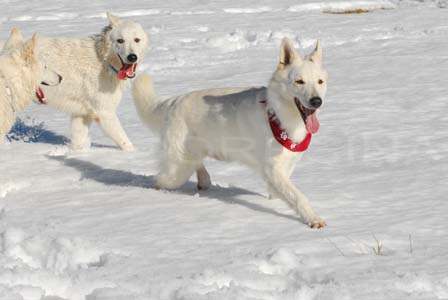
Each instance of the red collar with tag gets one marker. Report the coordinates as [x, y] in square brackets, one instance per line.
[282, 137]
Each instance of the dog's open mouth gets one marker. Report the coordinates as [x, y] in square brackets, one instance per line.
[41, 96]
[127, 70]
[309, 116]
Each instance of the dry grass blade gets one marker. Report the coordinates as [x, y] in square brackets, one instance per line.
[348, 11]
[378, 249]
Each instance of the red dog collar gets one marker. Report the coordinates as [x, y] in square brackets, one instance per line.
[282, 137]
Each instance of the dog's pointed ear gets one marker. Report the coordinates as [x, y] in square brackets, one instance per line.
[33, 41]
[287, 53]
[316, 56]
[114, 20]
[29, 47]
[14, 41]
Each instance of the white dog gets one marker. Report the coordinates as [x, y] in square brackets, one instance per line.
[20, 77]
[94, 71]
[266, 128]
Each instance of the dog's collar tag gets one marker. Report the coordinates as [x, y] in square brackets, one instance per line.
[282, 137]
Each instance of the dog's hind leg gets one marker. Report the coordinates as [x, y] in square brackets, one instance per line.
[174, 174]
[111, 125]
[7, 119]
[182, 157]
[203, 176]
[80, 131]
[282, 186]
[3, 131]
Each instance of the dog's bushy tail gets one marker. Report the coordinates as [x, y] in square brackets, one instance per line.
[147, 102]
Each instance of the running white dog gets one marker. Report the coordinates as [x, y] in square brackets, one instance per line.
[266, 128]
[20, 77]
[94, 71]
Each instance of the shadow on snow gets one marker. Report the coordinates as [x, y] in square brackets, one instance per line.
[30, 131]
[34, 133]
[227, 195]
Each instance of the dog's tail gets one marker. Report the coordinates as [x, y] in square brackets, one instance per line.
[147, 102]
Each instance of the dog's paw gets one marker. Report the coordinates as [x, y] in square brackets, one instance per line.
[317, 223]
[204, 180]
[203, 187]
[128, 148]
[273, 197]
[75, 148]
[204, 183]
[164, 182]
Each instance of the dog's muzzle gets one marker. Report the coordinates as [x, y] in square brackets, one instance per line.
[132, 58]
[316, 102]
[309, 115]
[304, 112]
[127, 70]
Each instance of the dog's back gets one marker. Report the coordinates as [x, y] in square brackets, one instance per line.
[222, 122]
[78, 62]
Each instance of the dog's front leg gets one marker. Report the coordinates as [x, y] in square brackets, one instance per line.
[282, 186]
[111, 125]
[287, 168]
[272, 194]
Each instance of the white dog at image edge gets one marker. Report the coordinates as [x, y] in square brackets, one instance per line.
[20, 76]
[265, 128]
[95, 71]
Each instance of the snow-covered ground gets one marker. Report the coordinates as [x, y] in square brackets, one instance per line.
[89, 225]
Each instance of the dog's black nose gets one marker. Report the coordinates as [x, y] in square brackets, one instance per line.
[132, 58]
[60, 78]
[316, 102]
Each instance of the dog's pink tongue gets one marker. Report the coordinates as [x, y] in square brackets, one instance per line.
[125, 72]
[41, 96]
[122, 74]
[312, 123]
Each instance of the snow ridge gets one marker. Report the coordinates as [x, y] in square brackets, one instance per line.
[34, 266]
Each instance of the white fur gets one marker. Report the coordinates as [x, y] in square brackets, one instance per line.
[20, 75]
[231, 124]
[90, 90]
[14, 41]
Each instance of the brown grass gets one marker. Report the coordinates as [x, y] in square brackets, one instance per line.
[348, 11]
[378, 248]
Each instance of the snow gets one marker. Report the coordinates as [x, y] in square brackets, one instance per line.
[339, 7]
[89, 226]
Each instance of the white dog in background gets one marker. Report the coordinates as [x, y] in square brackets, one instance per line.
[266, 128]
[94, 71]
[21, 75]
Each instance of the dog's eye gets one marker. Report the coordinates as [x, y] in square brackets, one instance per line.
[320, 81]
[120, 41]
[300, 81]
[137, 40]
